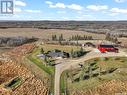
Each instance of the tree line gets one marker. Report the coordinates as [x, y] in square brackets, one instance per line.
[58, 38]
[78, 53]
[15, 41]
[79, 37]
[73, 37]
[111, 38]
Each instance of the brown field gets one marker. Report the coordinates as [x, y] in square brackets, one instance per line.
[44, 33]
[29, 82]
[12, 65]
[4, 50]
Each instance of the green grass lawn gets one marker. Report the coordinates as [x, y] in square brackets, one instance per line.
[119, 63]
[63, 82]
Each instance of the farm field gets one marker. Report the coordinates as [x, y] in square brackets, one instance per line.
[15, 78]
[44, 33]
[108, 82]
[10, 71]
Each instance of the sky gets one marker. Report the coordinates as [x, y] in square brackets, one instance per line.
[80, 10]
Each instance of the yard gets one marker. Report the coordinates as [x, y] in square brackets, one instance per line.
[50, 70]
[39, 62]
[111, 69]
[45, 69]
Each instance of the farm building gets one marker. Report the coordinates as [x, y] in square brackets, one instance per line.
[107, 48]
[88, 44]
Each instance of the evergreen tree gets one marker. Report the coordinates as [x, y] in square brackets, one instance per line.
[108, 37]
[61, 37]
[55, 38]
[84, 37]
[81, 51]
[90, 71]
[90, 38]
[72, 53]
[83, 70]
[42, 51]
[115, 40]
[73, 38]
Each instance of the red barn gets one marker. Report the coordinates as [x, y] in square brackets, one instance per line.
[107, 48]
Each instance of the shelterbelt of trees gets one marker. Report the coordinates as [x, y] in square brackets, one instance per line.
[15, 41]
[73, 37]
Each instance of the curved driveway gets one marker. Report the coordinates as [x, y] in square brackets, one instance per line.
[65, 64]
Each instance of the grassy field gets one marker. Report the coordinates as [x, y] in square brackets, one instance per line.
[119, 74]
[44, 33]
[49, 47]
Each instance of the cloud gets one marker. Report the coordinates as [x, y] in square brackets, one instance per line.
[97, 7]
[33, 11]
[120, 1]
[57, 5]
[63, 6]
[20, 3]
[118, 10]
[75, 7]
[61, 12]
[113, 14]
[48, 2]
[17, 10]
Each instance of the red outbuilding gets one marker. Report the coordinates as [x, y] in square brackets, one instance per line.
[107, 48]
